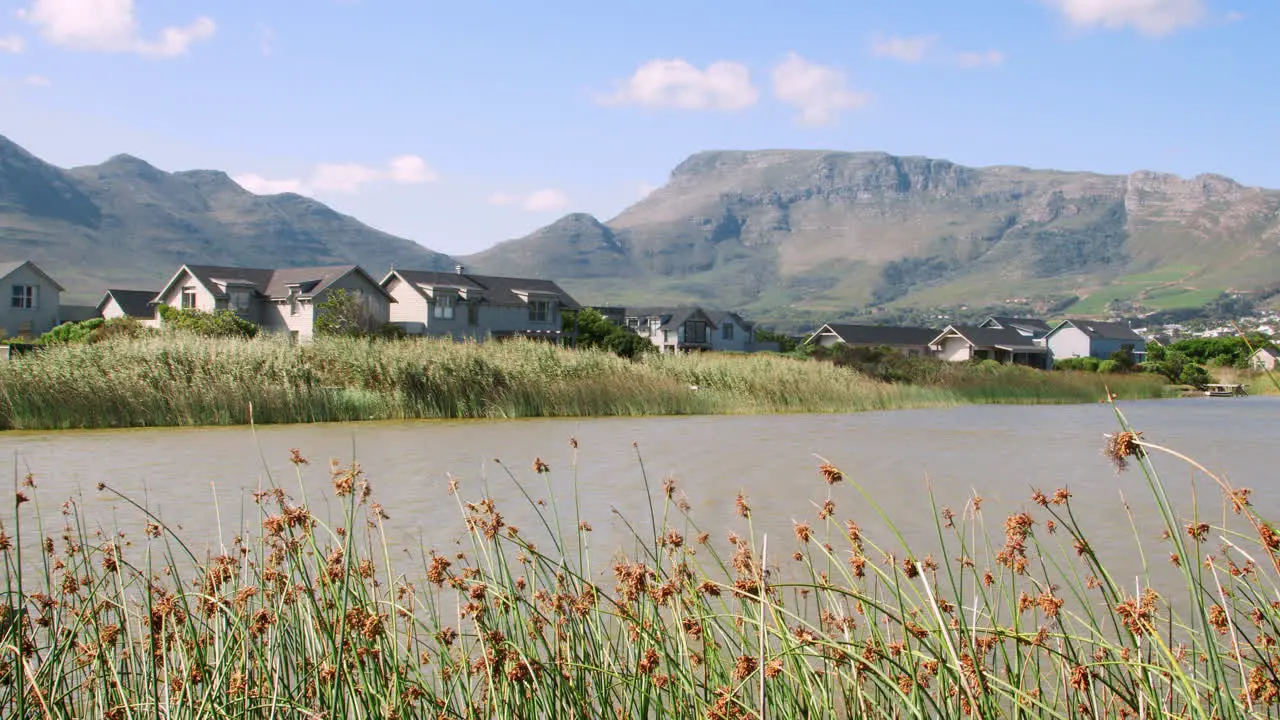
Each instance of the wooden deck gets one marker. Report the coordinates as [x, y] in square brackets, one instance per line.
[1224, 390]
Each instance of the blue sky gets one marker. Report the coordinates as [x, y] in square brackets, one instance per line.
[461, 124]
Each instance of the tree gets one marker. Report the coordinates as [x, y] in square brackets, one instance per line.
[344, 315]
[596, 331]
[219, 323]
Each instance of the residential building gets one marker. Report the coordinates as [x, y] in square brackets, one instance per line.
[672, 329]
[910, 341]
[1029, 327]
[1264, 358]
[30, 304]
[958, 343]
[733, 333]
[465, 306]
[1088, 338]
[135, 304]
[278, 300]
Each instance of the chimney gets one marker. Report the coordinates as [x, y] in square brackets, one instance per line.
[458, 268]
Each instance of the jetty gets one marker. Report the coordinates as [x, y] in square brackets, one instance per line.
[1224, 390]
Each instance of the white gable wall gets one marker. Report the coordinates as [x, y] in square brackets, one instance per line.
[33, 321]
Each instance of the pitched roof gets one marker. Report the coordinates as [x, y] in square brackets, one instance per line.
[1100, 330]
[881, 334]
[491, 289]
[134, 303]
[271, 283]
[1035, 326]
[671, 317]
[8, 268]
[1273, 352]
[1005, 338]
[718, 317]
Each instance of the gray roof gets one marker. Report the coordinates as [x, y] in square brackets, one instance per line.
[882, 334]
[134, 303]
[1006, 338]
[1034, 326]
[8, 268]
[718, 317]
[671, 317]
[491, 289]
[1102, 330]
[273, 283]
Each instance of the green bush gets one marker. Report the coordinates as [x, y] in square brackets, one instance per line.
[93, 330]
[219, 323]
[1110, 367]
[1082, 364]
[594, 330]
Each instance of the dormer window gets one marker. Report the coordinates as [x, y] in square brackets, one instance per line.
[293, 299]
[539, 310]
[444, 306]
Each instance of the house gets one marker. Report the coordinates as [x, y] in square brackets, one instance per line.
[128, 303]
[1264, 358]
[1087, 338]
[1004, 345]
[465, 306]
[672, 329]
[33, 297]
[1030, 327]
[278, 300]
[910, 341]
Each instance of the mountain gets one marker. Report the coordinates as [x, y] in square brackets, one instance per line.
[125, 223]
[793, 236]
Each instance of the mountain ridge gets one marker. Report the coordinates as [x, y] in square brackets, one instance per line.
[126, 223]
[809, 234]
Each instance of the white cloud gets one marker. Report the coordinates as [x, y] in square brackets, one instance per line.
[12, 44]
[676, 83]
[1150, 17]
[907, 49]
[37, 81]
[539, 201]
[110, 26]
[990, 58]
[263, 186]
[345, 178]
[819, 92]
[410, 169]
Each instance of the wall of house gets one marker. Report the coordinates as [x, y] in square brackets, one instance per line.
[1263, 361]
[741, 341]
[410, 310]
[278, 317]
[1068, 342]
[827, 339]
[204, 299]
[28, 322]
[955, 349]
[416, 314]
[1102, 348]
[112, 309]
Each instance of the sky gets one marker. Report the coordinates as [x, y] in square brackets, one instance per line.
[463, 124]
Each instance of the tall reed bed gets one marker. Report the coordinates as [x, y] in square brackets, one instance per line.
[184, 380]
[305, 616]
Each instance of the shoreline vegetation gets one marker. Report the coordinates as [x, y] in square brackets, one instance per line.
[188, 380]
[306, 616]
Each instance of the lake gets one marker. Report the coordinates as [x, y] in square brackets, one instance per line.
[202, 479]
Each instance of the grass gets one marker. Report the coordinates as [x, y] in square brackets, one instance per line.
[303, 616]
[176, 381]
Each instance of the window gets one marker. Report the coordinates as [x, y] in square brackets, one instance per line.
[633, 322]
[695, 331]
[25, 297]
[293, 302]
[539, 310]
[444, 306]
[473, 313]
[726, 332]
[188, 298]
[240, 300]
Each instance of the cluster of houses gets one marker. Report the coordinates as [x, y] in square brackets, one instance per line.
[463, 305]
[1014, 341]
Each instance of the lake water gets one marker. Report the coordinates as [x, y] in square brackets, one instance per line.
[202, 478]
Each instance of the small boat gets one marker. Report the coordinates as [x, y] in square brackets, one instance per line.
[1224, 390]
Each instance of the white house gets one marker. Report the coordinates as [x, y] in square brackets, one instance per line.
[958, 343]
[910, 341]
[465, 306]
[128, 303]
[1264, 358]
[279, 300]
[30, 303]
[1088, 338]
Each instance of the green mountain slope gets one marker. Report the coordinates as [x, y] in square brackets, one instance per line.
[125, 223]
[809, 235]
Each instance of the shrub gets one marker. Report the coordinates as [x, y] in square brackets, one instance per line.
[1083, 364]
[219, 323]
[343, 314]
[594, 330]
[93, 330]
[1110, 367]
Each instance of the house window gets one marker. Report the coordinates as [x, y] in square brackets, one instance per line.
[444, 307]
[726, 332]
[539, 310]
[473, 313]
[293, 302]
[25, 297]
[633, 323]
[240, 300]
[695, 331]
[188, 298]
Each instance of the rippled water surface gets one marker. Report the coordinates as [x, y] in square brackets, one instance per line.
[202, 478]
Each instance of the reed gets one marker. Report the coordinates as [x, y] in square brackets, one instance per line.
[184, 380]
[308, 616]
